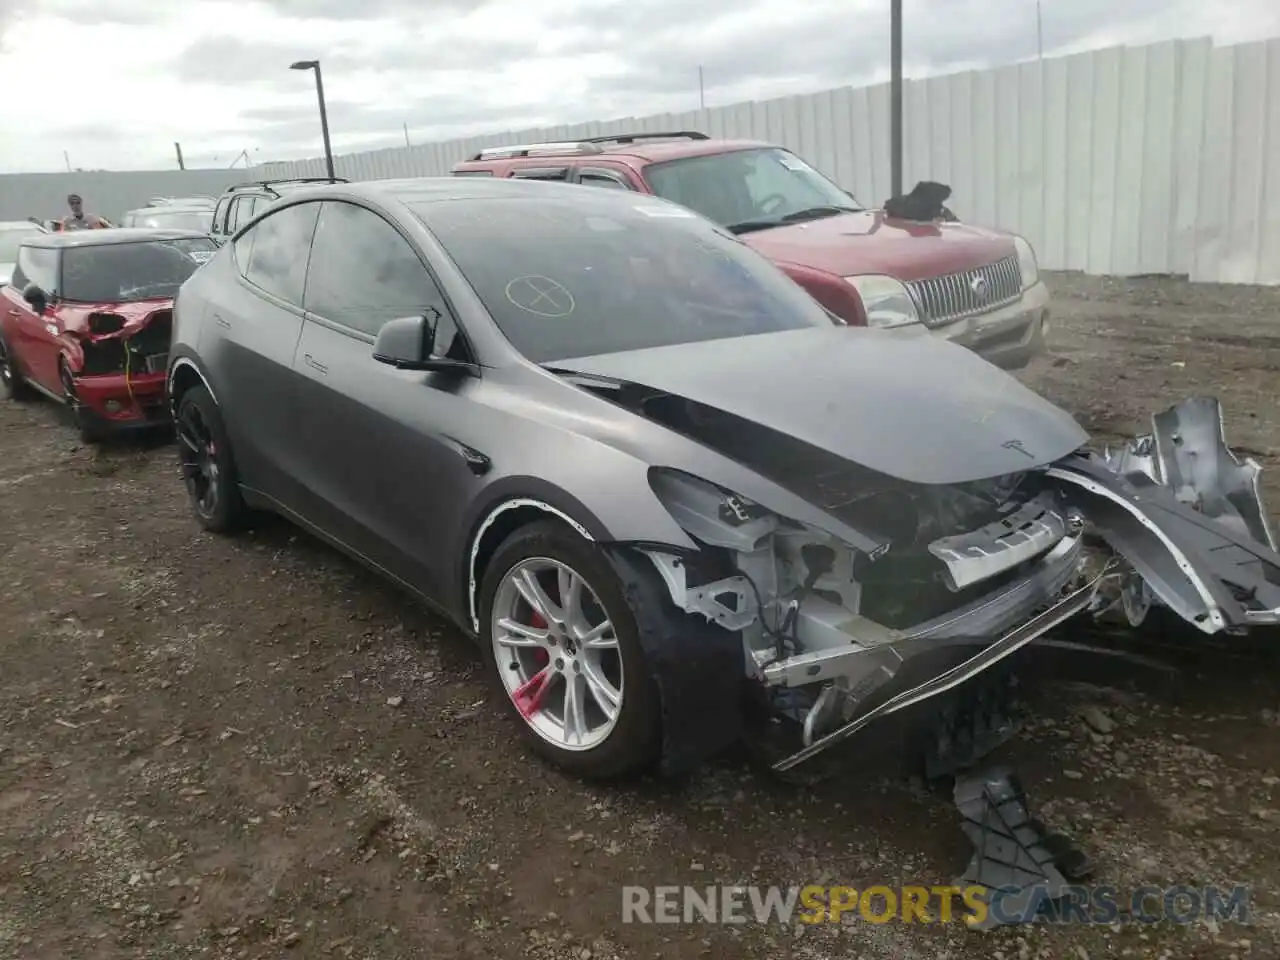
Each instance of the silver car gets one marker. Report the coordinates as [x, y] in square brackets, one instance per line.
[676, 504]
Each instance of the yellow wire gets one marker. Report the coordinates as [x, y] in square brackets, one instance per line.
[128, 384]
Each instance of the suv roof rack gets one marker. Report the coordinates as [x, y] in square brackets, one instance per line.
[588, 145]
[268, 183]
[633, 137]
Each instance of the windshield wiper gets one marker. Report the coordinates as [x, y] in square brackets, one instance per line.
[811, 213]
[818, 213]
[746, 226]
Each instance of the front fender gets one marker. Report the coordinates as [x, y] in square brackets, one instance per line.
[625, 510]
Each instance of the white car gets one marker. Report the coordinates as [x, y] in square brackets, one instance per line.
[12, 233]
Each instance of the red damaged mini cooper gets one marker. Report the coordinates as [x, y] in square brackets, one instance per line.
[86, 320]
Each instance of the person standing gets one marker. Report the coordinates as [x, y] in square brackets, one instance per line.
[79, 220]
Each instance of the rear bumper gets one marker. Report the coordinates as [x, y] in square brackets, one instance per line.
[1010, 337]
[121, 402]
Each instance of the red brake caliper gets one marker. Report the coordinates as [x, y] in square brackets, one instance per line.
[528, 696]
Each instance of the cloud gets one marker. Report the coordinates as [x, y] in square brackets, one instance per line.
[365, 9]
[350, 122]
[233, 61]
[216, 72]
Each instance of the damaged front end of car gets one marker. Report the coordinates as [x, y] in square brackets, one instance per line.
[950, 580]
[115, 366]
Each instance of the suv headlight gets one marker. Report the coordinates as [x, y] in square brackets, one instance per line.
[885, 301]
[1027, 265]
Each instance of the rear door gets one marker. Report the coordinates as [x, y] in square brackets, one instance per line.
[248, 341]
[384, 476]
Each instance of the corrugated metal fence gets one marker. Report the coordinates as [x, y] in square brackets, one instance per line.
[106, 193]
[1129, 160]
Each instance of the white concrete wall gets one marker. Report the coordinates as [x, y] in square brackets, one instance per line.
[1129, 160]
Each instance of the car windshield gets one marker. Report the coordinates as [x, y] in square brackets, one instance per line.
[11, 238]
[137, 270]
[749, 190]
[175, 219]
[573, 278]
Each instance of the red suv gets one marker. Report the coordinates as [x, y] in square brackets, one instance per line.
[980, 288]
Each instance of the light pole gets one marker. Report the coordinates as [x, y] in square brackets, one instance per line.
[324, 114]
[895, 97]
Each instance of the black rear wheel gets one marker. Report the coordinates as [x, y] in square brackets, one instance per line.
[12, 386]
[208, 469]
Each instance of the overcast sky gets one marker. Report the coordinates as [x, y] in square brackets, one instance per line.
[115, 82]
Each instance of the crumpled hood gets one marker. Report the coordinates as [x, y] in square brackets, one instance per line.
[75, 316]
[906, 404]
[870, 242]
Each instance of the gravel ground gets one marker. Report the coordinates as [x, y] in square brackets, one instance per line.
[251, 748]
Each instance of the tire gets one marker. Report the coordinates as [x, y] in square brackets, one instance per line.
[631, 741]
[12, 384]
[208, 467]
[90, 428]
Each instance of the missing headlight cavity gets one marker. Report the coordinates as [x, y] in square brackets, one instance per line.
[111, 350]
[940, 539]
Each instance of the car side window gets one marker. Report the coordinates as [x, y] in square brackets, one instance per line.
[242, 249]
[220, 215]
[38, 265]
[602, 180]
[540, 173]
[277, 262]
[363, 273]
[241, 213]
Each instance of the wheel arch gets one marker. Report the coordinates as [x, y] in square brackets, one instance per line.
[184, 374]
[519, 504]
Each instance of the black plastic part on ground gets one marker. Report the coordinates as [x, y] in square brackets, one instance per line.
[1024, 867]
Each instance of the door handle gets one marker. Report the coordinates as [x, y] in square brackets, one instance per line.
[217, 318]
[314, 364]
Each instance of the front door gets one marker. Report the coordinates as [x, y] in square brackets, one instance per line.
[383, 467]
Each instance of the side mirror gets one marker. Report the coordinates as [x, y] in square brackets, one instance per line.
[409, 343]
[36, 297]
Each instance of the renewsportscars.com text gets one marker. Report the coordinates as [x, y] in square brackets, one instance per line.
[973, 905]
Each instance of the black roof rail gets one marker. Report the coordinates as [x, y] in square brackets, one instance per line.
[633, 137]
[268, 183]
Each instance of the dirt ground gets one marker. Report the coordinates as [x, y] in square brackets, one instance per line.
[251, 748]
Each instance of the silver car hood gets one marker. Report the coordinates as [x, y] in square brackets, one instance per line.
[917, 408]
[6, 273]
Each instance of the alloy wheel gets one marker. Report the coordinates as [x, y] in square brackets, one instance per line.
[557, 653]
[198, 457]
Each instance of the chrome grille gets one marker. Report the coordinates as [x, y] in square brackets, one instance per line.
[967, 293]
